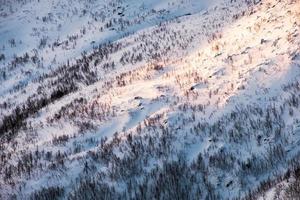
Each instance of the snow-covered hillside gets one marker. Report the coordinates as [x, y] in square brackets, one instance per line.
[123, 99]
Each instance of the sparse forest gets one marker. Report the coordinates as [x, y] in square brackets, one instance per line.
[149, 100]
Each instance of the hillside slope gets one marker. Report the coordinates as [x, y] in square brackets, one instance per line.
[200, 106]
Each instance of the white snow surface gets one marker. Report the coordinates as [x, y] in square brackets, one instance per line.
[223, 56]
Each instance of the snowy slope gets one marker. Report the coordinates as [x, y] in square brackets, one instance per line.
[61, 30]
[188, 100]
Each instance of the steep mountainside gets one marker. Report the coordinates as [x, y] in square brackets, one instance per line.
[123, 99]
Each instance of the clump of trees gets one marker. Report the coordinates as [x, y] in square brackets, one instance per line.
[50, 193]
